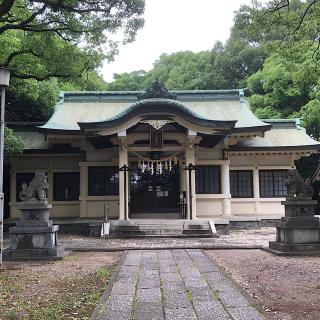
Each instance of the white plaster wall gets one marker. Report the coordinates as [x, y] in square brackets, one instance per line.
[96, 207]
[102, 155]
[271, 206]
[244, 207]
[63, 209]
[261, 160]
[209, 207]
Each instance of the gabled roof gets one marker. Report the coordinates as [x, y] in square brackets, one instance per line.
[286, 134]
[221, 108]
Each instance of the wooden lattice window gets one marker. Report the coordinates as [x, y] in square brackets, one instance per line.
[272, 183]
[66, 186]
[241, 183]
[103, 181]
[208, 179]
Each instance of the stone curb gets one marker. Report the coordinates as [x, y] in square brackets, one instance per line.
[292, 253]
[114, 249]
[98, 311]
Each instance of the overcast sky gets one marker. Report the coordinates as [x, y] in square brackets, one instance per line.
[175, 25]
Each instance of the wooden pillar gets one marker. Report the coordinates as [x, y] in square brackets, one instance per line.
[225, 188]
[50, 191]
[190, 158]
[83, 189]
[256, 190]
[123, 160]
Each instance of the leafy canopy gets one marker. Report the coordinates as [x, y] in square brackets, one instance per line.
[51, 45]
[13, 144]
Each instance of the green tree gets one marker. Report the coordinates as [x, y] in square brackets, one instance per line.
[310, 114]
[13, 144]
[47, 34]
[50, 44]
[135, 80]
[283, 84]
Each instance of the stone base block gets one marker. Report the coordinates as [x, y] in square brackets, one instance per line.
[299, 248]
[297, 235]
[55, 253]
[33, 223]
[33, 237]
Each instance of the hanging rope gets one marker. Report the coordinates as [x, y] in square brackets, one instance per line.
[155, 161]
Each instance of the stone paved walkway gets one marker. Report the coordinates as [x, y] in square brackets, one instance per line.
[174, 284]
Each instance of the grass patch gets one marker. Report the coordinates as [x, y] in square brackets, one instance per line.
[216, 294]
[72, 296]
[104, 273]
[189, 294]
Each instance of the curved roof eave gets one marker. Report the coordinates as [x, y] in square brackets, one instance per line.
[166, 106]
[314, 147]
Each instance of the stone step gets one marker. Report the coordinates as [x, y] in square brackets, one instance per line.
[159, 235]
[159, 228]
[167, 227]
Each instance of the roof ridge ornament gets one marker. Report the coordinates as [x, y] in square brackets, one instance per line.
[157, 124]
[156, 89]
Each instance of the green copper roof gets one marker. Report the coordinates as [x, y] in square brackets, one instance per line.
[103, 107]
[159, 105]
[285, 134]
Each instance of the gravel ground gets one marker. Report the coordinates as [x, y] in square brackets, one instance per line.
[288, 288]
[236, 238]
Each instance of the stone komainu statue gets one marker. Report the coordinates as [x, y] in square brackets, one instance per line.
[296, 186]
[37, 188]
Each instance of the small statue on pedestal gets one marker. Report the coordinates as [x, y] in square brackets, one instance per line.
[299, 230]
[296, 186]
[34, 237]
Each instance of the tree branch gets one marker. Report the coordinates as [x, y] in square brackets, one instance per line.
[304, 15]
[19, 53]
[24, 22]
[5, 7]
[282, 4]
[49, 75]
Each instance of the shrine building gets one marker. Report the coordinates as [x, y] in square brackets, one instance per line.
[199, 154]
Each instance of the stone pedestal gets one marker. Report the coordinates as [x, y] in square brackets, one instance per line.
[299, 230]
[34, 237]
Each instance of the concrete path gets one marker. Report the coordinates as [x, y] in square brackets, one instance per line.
[173, 284]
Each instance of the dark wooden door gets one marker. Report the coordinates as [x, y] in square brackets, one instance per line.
[154, 193]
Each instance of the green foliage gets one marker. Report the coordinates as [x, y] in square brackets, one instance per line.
[283, 84]
[86, 22]
[310, 114]
[220, 68]
[135, 80]
[268, 113]
[13, 145]
[51, 45]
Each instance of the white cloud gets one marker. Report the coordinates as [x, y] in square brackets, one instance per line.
[175, 25]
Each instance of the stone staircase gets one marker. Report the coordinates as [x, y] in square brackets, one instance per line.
[161, 228]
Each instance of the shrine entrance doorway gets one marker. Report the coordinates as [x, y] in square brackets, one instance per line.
[154, 192]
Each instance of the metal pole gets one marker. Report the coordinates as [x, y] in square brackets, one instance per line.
[125, 169]
[125, 194]
[1, 169]
[190, 192]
